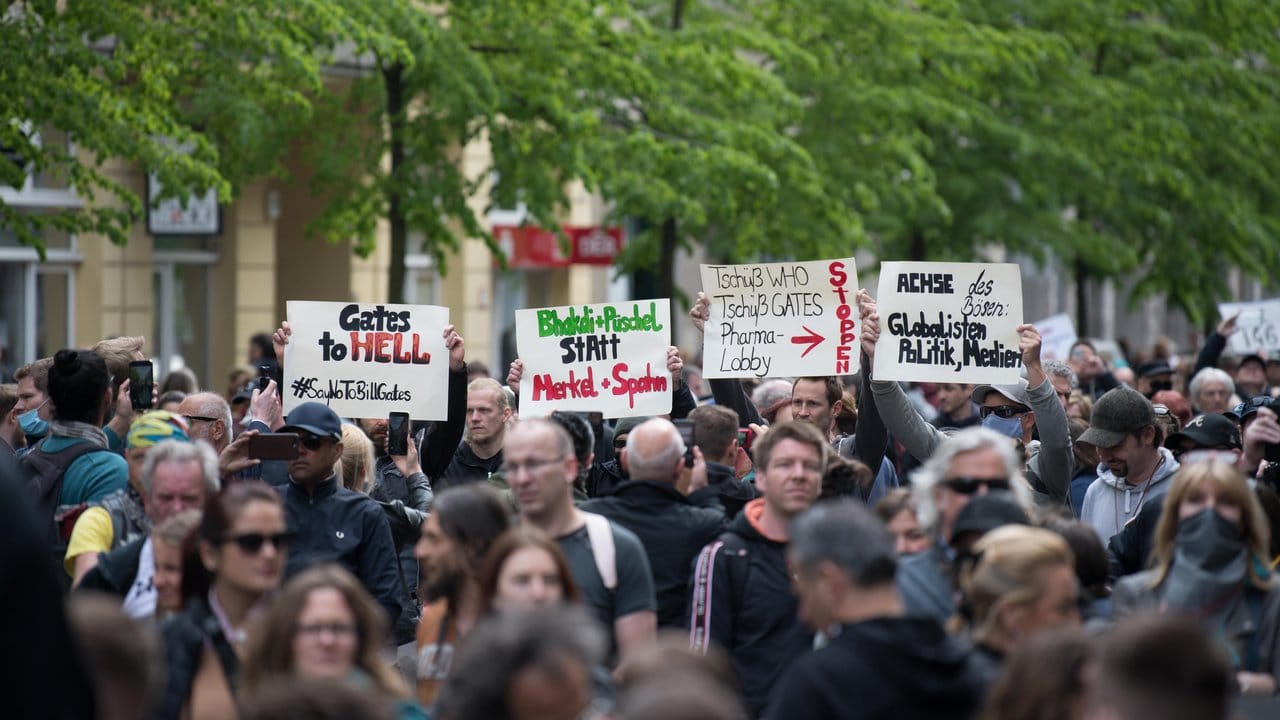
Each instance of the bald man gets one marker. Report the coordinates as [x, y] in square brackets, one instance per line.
[653, 504]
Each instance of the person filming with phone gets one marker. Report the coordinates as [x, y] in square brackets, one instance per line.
[332, 523]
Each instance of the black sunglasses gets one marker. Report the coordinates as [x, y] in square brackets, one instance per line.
[1002, 411]
[201, 418]
[970, 485]
[251, 543]
[312, 442]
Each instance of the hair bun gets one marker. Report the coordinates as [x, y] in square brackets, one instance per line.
[67, 362]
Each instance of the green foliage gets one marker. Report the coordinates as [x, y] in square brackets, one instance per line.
[1134, 140]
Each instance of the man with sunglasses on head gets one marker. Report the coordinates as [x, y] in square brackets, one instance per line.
[332, 523]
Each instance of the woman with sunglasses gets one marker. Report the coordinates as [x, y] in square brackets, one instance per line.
[324, 625]
[232, 563]
[1211, 565]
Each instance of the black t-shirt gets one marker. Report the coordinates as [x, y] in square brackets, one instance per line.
[635, 580]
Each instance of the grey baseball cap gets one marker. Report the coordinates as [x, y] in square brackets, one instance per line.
[1016, 393]
[1118, 413]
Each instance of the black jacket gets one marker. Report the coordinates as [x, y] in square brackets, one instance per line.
[116, 570]
[185, 636]
[445, 458]
[741, 600]
[900, 668]
[1129, 551]
[335, 524]
[725, 490]
[605, 478]
[672, 531]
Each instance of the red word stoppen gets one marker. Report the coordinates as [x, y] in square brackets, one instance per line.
[844, 312]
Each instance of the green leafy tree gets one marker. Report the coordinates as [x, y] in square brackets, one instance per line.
[204, 94]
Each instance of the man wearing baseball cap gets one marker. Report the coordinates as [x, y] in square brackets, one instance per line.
[332, 523]
[1134, 468]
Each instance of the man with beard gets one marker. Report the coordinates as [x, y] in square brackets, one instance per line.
[1137, 469]
[332, 523]
[455, 539]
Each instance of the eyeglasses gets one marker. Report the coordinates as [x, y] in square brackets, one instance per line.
[337, 630]
[251, 543]
[192, 418]
[1003, 411]
[512, 469]
[970, 485]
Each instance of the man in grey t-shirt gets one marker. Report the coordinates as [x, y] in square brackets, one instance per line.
[608, 561]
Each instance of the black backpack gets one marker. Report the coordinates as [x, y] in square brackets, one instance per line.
[44, 472]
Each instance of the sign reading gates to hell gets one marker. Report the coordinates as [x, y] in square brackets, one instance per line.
[609, 358]
[949, 322]
[367, 360]
[1257, 325]
[781, 319]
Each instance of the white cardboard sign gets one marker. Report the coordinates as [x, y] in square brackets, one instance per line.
[1057, 335]
[790, 319]
[609, 358]
[949, 322]
[1257, 326]
[366, 360]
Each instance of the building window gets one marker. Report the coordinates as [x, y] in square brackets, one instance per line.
[182, 296]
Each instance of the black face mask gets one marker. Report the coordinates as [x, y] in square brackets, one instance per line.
[1158, 385]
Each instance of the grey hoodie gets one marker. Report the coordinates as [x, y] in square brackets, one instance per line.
[1110, 502]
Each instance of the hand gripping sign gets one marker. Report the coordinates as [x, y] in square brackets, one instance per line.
[949, 322]
[365, 360]
[781, 319]
[609, 358]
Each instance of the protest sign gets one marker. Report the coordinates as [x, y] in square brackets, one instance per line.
[609, 358]
[1057, 335]
[367, 360]
[781, 319]
[1257, 326]
[949, 322]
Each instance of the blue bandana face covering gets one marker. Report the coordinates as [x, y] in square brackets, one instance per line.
[1009, 427]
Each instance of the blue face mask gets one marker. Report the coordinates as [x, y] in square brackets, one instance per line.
[1009, 427]
[32, 424]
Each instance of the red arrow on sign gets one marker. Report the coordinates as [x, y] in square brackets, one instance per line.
[813, 339]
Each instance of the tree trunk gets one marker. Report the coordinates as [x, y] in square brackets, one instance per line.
[917, 251]
[667, 260]
[393, 77]
[1082, 298]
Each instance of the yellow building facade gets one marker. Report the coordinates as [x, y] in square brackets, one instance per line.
[198, 298]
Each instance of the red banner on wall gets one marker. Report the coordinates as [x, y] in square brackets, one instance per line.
[534, 247]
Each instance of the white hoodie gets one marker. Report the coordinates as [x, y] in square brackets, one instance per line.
[1111, 502]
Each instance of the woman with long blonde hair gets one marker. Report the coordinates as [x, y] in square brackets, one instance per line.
[1211, 565]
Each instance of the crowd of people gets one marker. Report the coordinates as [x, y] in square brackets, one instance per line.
[1089, 542]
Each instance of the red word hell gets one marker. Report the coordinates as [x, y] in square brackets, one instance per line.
[388, 347]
